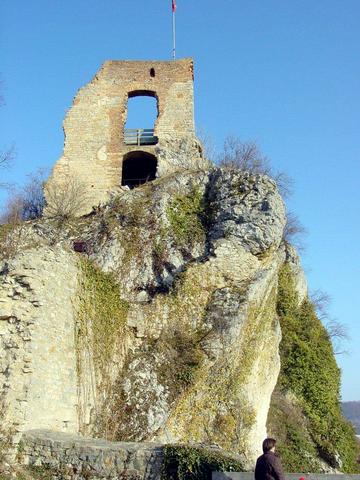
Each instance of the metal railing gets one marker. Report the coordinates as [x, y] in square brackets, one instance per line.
[139, 136]
[135, 182]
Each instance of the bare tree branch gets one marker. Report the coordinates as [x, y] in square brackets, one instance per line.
[321, 301]
[338, 332]
[247, 156]
[6, 156]
[6, 160]
[294, 231]
[63, 201]
[27, 202]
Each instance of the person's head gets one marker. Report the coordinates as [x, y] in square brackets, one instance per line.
[268, 445]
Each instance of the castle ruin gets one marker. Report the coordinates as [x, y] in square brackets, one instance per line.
[102, 155]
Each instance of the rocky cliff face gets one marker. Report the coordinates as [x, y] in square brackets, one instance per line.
[165, 329]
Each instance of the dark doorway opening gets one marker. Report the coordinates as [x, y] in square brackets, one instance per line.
[138, 168]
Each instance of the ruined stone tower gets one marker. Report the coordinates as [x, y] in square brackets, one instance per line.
[101, 155]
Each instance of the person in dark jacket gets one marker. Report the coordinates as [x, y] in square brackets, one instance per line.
[268, 466]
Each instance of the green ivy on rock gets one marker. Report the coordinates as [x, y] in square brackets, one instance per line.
[310, 376]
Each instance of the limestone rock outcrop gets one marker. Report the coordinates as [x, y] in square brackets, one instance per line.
[164, 328]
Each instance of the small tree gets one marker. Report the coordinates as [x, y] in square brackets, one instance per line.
[7, 155]
[6, 160]
[339, 334]
[27, 202]
[244, 156]
[33, 195]
[10, 228]
[294, 231]
[321, 301]
[247, 156]
[65, 200]
[337, 331]
[12, 213]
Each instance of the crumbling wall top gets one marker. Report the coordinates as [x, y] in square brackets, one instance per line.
[136, 70]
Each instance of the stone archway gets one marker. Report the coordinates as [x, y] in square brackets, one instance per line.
[137, 168]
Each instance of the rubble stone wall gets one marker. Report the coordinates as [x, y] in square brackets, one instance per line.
[94, 144]
[38, 375]
[73, 457]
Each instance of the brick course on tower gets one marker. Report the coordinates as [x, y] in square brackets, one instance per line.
[95, 146]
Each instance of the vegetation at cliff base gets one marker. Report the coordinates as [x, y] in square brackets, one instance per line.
[305, 413]
[185, 462]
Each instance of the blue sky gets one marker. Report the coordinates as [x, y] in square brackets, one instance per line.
[283, 72]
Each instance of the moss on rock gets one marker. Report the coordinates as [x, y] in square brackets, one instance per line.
[214, 407]
[186, 215]
[101, 320]
[101, 313]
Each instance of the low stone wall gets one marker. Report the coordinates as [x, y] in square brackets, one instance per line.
[72, 457]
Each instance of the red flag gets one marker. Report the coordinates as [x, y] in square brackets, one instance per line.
[174, 5]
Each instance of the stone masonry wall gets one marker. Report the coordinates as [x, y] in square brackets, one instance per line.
[94, 145]
[74, 457]
[38, 376]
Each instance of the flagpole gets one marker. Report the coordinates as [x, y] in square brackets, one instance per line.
[174, 31]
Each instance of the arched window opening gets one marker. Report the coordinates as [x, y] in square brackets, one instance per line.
[138, 168]
[142, 112]
[152, 72]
